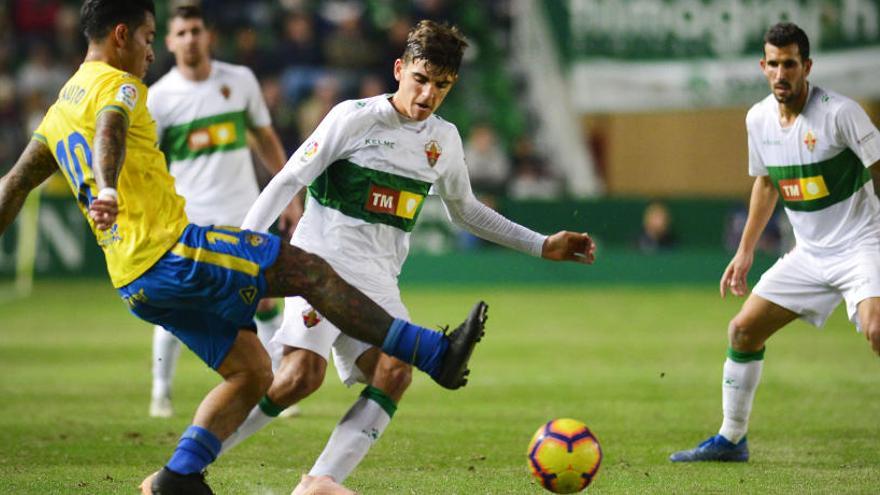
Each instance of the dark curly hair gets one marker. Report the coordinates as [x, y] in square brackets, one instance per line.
[441, 46]
[786, 33]
[98, 17]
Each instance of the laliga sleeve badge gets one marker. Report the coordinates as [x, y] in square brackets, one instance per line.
[309, 150]
[127, 95]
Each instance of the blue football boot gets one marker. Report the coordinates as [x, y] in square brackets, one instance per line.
[716, 448]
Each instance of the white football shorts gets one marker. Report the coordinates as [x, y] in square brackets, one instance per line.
[813, 286]
[305, 328]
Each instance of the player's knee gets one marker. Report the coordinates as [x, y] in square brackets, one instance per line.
[257, 380]
[741, 337]
[298, 378]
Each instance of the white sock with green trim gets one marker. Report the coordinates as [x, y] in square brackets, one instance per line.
[358, 430]
[261, 415]
[166, 350]
[742, 373]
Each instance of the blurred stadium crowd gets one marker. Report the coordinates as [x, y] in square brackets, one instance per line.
[308, 56]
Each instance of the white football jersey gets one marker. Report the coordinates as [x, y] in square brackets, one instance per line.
[202, 127]
[819, 166]
[368, 171]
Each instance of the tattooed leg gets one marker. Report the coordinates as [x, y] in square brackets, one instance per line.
[299, 273]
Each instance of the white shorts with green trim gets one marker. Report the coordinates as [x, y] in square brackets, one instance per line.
[305, 328]
[813, 286]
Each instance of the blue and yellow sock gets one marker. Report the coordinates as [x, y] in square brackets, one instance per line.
[196, 449]
[419, 346]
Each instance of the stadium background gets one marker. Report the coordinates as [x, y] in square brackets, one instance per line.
[576, 114]
[600, 109]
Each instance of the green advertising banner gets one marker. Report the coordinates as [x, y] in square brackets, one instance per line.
[633, 55]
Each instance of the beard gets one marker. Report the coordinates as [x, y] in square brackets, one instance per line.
[192, 59]
[789, 97]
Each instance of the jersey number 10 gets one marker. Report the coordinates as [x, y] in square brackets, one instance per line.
[82, 179]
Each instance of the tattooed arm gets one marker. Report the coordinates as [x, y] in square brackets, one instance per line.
[109, 155]
[34, 166]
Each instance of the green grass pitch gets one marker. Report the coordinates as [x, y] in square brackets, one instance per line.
[641, 366]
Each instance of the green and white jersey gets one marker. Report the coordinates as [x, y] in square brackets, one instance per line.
[819, 166]
[202, 127]
[368, 171]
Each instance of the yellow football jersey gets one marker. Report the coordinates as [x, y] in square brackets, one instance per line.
[151, 216]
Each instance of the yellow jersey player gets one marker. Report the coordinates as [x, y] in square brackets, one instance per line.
[201, 283]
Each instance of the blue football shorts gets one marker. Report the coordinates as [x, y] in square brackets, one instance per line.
[205, 288]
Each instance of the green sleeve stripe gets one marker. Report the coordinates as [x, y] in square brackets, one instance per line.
[270, 408]
[114, 108]
[41, 138]
[745, 357]
[379, 397]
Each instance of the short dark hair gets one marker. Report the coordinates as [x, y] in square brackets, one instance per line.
[441, 46]
[785, 33]
[187, 11]
[98, 17]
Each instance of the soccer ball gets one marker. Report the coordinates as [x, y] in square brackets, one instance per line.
[564, 456]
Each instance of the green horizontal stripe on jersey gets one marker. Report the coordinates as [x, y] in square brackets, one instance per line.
[843, 175]
[175, 140]
[345, 186]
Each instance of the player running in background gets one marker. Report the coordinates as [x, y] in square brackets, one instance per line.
[819, 151]
[202, 283]
[369, 166]
[205, 111]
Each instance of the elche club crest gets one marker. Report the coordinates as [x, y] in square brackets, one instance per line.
[810, 140]
[432, 152]
[225, 91]
[310, 317]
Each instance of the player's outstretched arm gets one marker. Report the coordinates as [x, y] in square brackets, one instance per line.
[761, 206]
[34, 166]
[109, 155]
[569, 246]
[272, 201]
[267, 145]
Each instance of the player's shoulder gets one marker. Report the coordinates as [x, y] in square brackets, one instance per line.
[233, 70]
[365, 106]
[169, 80]
[830, 102]
[761, 112]
[442, 125]
[360, 112]
[102, 74]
